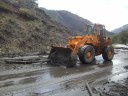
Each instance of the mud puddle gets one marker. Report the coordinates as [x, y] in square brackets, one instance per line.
[55, 72]
[37, 76]
[110, 79]
[68, 88]
[116, 85]
[20, 63]
[75, 87]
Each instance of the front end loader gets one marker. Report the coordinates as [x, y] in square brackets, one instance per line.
[86, 47]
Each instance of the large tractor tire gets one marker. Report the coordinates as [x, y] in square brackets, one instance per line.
[87, 54]
[108, 53]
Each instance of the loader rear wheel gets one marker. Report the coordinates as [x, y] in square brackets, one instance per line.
[108, 53]
[87, 54]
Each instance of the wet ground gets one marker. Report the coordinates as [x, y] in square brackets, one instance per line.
[40, 79]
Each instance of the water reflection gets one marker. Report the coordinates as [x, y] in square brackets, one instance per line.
[118, 69]
[120, 78]
[115, 66]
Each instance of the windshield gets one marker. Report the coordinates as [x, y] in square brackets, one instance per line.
[90, 29]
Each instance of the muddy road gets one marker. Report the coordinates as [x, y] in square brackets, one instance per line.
[40, 79]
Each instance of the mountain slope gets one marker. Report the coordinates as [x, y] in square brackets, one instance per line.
[120, 29]
[24, 28]
[70, 20]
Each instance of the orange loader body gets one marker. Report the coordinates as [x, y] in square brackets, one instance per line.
[79, 41]
[94, 43]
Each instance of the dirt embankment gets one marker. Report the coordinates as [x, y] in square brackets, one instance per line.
[26, 29]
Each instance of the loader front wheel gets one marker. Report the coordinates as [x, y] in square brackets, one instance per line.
[108, 53]
[87, 54]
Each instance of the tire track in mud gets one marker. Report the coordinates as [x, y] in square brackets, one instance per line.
[22, 73]
[90, 76]
[31, 76]
[98, 71]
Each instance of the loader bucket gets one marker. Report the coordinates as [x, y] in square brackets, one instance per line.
[62, 56]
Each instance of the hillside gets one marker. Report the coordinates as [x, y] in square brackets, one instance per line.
[26, 28]
[120, 29]
[70, 20]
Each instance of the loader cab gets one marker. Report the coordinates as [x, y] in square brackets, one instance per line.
[97, 30]
[101, 31]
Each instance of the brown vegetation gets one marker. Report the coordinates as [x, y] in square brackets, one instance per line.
[26, 28]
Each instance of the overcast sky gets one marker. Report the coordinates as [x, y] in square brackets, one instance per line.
[111, 13]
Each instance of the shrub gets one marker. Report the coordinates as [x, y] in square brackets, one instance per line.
[5, 7]
[121, 37]
[27, 13]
